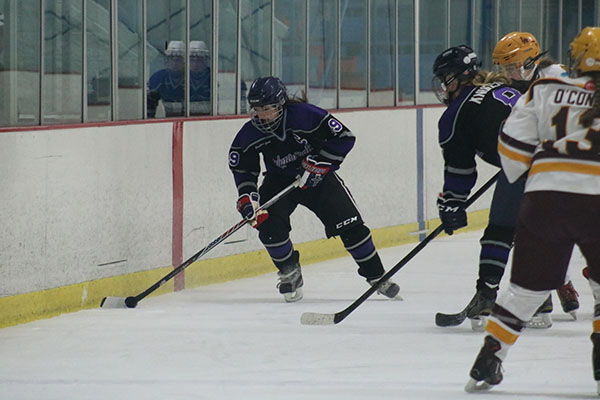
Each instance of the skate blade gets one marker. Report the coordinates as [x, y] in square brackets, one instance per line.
[478, 323]
[475, 386]
[598, 387]
[573, 314]
[293, 296]
[540, 321]
[396, 297]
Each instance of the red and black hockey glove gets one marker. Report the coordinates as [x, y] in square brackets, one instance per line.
[452, 212]
[314, 172]
[247, 205]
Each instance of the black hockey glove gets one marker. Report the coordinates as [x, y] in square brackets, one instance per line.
[247, 205]
[314, 172]
[452, 212]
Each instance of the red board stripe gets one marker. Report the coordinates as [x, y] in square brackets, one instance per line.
[177, 239]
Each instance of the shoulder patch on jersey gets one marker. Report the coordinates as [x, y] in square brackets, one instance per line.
[507, 95]
[234, 158]
[335, 125]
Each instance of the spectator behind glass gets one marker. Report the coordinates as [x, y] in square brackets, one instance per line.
[199, 78]
[166, 84]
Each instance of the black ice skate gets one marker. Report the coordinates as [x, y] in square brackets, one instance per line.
[568, 299]
[290, 279]
[480, 307]
[596, 359]
[542, 318]
[387, 288]
[487, 369]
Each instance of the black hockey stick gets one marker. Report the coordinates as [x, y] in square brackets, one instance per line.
[444, 320]
[132, 301]
[311, 318]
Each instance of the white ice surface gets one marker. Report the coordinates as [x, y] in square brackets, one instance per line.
[239, 340]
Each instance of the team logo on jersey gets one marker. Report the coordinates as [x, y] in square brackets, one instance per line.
[300, 140]
[334, 125]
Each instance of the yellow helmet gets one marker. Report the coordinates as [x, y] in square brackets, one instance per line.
[585, 51]
[515, 47]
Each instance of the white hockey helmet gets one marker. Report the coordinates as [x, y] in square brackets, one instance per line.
[175, 48]
[198, 49]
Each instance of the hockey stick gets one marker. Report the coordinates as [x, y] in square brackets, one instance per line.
[311, 318]
[444, 320]
[132, 301]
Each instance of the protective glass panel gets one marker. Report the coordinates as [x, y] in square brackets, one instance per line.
[531, 19]
[570, 27]
[589, 13]
[99, 78]
[460, 22]
[432, 29]
[256, 41]
[406, 53]
[550, 37]
[509, 17]
[323, 53]
[130, 90]
[383, 61]
[228, 22]
[166, 50]
[200, 56]
[19, 62]
[290, 45]
[63, 55]
[486, 36]
[353, 54]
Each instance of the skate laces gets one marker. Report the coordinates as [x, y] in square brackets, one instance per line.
[289, 280]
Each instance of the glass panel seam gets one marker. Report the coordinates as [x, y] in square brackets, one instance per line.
[114, 59]
[84, 102]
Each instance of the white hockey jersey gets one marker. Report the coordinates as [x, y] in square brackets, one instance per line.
[543, 135]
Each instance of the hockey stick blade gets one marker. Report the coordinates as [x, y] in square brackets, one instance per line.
[312, 318]
[118, 302]
[332, 319]
[444, 320]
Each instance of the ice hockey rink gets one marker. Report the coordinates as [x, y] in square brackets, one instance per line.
[239, 340]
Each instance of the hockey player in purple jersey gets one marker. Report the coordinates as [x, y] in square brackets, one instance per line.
[478, 102]
[298, 139]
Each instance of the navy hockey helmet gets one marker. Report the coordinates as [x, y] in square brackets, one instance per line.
[459, 64]
[267, 97]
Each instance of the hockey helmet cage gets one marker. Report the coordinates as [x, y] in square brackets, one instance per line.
[584, 54]
[267, 92]
[456, 63]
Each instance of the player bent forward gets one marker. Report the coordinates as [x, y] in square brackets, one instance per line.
[298, 139]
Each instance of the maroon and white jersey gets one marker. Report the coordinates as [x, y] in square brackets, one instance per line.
[543, 135]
